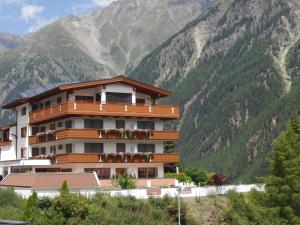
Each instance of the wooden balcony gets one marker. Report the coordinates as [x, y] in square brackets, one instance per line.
[104, 135]
[115, 158]
[5, 142]
[72, 108]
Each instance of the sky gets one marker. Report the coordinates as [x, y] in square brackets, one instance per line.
[25, 16]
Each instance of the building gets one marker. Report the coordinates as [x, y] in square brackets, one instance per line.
[109, 126]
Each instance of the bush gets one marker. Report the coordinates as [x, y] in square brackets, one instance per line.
[198, 176]
[125, 181]
[181, 177]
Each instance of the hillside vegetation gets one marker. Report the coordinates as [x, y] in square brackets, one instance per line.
[235, 73]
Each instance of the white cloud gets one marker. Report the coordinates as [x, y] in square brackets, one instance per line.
[103, 3]
[79, 9]
[29, 12]
[40, 23]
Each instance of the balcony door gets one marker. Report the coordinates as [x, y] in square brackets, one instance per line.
[114, 97]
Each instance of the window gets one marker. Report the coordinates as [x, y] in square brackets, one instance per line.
[43, 151]
[35, 152]
[89, 123]
[150, 172]
[146, 148]
[23, 112]
[68, 148]
[0, 153]
[52, 126]
[35, 130]
[34, 106]
[60, 124]
[47, 104]
[23, 153]
[58, 100]
[81, 98]
[60, 147]
[41, 105]
[23, 132]
[121, 147]
[53, 149]
[93, 147]
[103, 173]
[119, 97]
[120, 124]
[42, 129]
[98, 97]
[68, 124]
[66, 170]
[140, 101]
[145, 125]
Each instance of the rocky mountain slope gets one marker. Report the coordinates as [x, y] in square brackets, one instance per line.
[235, 71]
[9, 41]
[104, 43]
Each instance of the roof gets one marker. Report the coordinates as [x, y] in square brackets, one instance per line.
[53, 89]
[50, 180]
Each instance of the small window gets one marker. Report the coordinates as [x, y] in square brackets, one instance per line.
[145, 125]
[41, 105]
[102, 173]
[52, 126]
[68, 124]
[146, 148]
[35, 130]
[53, 149]
[121, 147]
[120, 124]
[34, 106]
[23, 132]
[23, 112]
[89, 123]
[23, 153]
[81, 98]
[43, 151]
[35, 152]
[93, 147]
[58, 100]
[60, 147]
[47, 103]
[140, 101]
[68, 148]
[42, 129]
[60, 124]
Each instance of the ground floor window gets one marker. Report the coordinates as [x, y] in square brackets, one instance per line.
[68, 148]
[47, 170]
[146, 148]
[21, 169]
[150, 172]
[103, 173]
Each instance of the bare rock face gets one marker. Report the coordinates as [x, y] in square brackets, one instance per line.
[232, 70]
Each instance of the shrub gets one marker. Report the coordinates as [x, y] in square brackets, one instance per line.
[125, 181]
[181, 177]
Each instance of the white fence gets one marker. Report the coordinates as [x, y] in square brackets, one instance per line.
[187, 192]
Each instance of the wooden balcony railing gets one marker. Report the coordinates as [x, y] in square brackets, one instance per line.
[115, 158]
[109, 109]
[104, 134]
[5, 142]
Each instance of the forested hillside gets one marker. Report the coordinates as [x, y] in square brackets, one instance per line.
[235, 73]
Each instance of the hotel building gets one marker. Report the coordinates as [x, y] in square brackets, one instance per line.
[110, 126]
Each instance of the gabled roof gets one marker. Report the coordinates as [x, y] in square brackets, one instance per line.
[59, 88]
[50, 180]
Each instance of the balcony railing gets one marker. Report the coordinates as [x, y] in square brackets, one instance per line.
[104, 134]
[5, 142]
[109, 109]
[115, 158]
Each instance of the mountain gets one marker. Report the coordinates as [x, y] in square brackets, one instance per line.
[235, 71]
[9, 41]
[100, 44]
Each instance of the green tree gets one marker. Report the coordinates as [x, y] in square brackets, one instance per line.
[283, 185]
[64, 190]
[124, 181]
[31, 205]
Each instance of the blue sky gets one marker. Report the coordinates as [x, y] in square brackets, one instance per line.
[25, 16]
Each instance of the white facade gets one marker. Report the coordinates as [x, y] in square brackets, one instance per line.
[9, 159]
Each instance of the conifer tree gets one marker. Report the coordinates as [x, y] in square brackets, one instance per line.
[283, 185]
